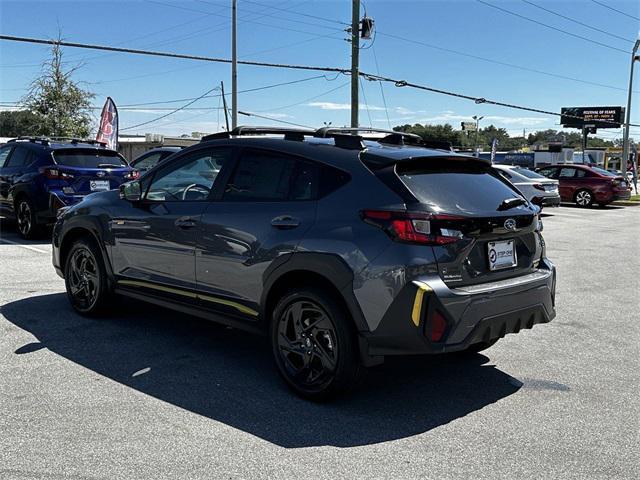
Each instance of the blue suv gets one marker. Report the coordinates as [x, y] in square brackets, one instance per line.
[38, 176]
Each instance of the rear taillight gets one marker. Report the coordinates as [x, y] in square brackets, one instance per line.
[425, 229]
[133, 175]
[438, 326]
[53, 173]
[538, 186]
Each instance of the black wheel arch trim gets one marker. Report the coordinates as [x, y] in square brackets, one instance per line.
[330, 266]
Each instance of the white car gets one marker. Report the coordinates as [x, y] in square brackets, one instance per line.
[538, 189]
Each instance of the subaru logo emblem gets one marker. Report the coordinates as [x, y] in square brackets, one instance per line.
[510, 224]
[101, 174]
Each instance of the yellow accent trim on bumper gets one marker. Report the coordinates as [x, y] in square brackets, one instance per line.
[416, 313]
[186, 293]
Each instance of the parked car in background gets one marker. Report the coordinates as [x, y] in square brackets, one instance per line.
[38, 176]
[340, 249]
[537, 188]
[153, 157]
[586, 185]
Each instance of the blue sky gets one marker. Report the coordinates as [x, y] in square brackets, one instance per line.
[270, 31]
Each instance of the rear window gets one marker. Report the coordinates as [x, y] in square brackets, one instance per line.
[89, 158]
[604, 172]
[525, 172]
[451, 188]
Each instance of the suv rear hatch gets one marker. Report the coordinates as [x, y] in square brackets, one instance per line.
[480, 228]
[80, 171]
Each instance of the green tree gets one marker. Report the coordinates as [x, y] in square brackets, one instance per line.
[18, 122]
[61, 106]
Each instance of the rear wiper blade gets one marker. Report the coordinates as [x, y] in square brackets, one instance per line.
[510, 203]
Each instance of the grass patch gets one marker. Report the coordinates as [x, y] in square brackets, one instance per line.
[635, 198]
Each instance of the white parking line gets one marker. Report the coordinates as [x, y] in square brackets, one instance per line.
[28, 247]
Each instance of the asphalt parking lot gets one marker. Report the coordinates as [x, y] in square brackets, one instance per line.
[149, 393]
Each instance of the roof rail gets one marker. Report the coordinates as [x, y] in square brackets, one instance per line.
[26, 138]
[289, 133]
[75, 140]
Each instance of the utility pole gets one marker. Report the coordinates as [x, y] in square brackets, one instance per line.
[477, 119]
[625, 150]
[234, 65]
[355, 60]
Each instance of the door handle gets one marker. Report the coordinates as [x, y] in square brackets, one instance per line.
[185, 223]
[284, 222]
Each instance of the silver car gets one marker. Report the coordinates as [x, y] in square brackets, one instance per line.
[538, 189]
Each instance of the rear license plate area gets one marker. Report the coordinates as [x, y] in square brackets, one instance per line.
[501, 254]
[99, 185]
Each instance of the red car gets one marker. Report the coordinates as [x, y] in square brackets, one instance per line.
[586, 185]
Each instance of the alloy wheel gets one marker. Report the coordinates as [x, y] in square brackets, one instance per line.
[24, 218]
[83, 278]
[583, 198]
[307, 345]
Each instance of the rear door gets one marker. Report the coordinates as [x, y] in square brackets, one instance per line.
[568, 182]
[494, 224]
[15, 165]
[267, 206]
[5, 152]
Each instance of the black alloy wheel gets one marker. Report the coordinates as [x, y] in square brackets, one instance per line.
[313, 345]
[85, 278]
[25, 216]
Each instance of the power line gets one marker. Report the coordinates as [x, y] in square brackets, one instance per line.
[499, 62]
[616, 10]
[384, 100]
[172, 112]
[284, 107]
[551, 27]
[167, 54]
[251, 114]
[366, 104]
[288, 10]
[591, 27]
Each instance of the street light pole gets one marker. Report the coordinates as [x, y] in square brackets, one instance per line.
[477, 119]
[625, 150]
[234, 65]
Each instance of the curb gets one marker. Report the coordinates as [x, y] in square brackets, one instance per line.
[626, 204]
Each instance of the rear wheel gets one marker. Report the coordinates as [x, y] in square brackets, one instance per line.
[584, 198]
[314, 344]
[86, 278]
[26, 217]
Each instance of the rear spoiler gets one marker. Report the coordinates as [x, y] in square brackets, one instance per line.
[380, 161]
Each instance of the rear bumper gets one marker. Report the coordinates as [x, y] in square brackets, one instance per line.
[57, 200]
[547, 201]
[474, 314]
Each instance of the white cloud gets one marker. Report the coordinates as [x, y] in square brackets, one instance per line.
[341, 106]
[499, 120]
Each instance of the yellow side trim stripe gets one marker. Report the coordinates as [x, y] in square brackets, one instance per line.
[185, 293]
[416, 313]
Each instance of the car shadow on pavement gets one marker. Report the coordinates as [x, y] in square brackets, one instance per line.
[228, 376]
[9, 232]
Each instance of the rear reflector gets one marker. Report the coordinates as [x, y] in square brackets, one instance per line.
[438, 326]
[538, 186]
[414, 227]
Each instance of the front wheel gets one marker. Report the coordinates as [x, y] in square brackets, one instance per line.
[86, 279]
[314, 344]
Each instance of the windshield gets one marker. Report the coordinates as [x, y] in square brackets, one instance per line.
[525, 172]
[456, 189]
[604, 172]
[90, 158]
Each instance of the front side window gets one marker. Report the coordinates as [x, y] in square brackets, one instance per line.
[148, 162]
[271, 177]
[188, 179]
[569, 172]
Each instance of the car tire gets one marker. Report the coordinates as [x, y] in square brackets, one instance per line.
[583, 198]
[86, 279]
[28, 227]
[314, 344]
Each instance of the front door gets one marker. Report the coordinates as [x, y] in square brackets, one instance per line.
[267, 206]
[154, 239]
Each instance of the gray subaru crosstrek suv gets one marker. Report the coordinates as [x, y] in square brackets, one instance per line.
[343, 246]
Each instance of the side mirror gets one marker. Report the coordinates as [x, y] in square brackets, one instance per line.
[131, 191]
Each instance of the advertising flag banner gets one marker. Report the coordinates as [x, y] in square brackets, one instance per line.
[108, 129]
[494, 148]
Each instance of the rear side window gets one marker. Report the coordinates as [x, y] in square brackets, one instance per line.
[455, 188]
[548, 172]
[89, 158]
[525, 172]
[21, 157]
[272, 177]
